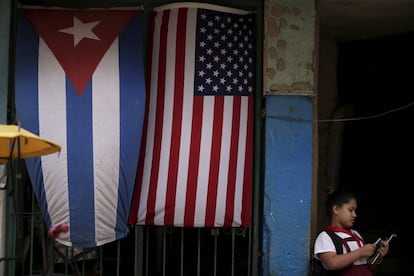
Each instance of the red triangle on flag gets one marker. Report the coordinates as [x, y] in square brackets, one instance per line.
[79, 38]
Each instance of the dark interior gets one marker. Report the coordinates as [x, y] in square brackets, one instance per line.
[375, 78]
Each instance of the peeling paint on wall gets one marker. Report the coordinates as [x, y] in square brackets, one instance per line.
[289, 47]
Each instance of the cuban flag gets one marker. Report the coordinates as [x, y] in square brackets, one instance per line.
[79, 81]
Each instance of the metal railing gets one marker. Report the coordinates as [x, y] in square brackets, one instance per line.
[166, 251]
[145, 251]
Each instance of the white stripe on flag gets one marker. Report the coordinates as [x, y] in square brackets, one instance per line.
[106, 145]
[241, 159]
[224, 161]
[185, 142]
[167, 123]
[204, 165]
[52, 90]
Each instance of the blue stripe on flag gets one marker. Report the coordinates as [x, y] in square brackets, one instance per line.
[80, 163]
[26, 65]
[132, 110]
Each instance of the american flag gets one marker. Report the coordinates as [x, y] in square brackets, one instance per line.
[195, 167]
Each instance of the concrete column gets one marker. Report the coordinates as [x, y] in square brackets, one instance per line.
[290, 166]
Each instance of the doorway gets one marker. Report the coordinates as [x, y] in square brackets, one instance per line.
[375, 77]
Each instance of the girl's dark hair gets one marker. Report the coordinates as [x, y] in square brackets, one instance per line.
[339, 197]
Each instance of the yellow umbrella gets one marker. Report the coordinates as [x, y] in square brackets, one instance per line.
[16, 142]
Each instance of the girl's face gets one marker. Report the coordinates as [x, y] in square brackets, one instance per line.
[346, 214]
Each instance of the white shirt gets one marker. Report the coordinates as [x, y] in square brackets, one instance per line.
[324, 243]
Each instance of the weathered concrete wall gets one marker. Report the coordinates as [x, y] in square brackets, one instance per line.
[289, 47]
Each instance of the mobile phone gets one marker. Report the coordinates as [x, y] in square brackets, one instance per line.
[377, 243]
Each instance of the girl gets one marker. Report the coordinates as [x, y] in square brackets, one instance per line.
[341, 207]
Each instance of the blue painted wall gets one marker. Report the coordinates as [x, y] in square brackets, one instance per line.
[287, 185]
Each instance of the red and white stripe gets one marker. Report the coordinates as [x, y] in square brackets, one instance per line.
[196, 161]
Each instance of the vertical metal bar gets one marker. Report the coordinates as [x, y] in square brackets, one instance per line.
[257, 186]
[146, 253]
[233, 247]
[198, 252]
[49, 255]
[31, 233]
[66, 259]
[118, 256]
[139, 250]
[83, 263]
[249, 254]
[182, 252]
[164, 250]
[136, 251]
[11, 222]
[101, 260]
[215, 250]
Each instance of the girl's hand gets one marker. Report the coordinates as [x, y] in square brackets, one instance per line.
[381, 252]
[368, 250]
[383, 248]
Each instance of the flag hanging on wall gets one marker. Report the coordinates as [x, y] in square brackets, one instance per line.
[195, 168]
[80, 82]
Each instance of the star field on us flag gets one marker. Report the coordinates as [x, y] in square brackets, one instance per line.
[225, 56]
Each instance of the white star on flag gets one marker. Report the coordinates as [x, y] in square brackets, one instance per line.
[81, 30]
